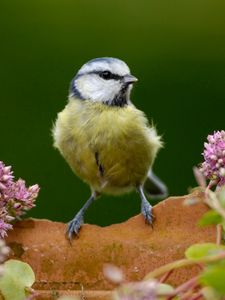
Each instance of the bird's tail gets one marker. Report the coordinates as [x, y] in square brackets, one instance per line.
[154, 187]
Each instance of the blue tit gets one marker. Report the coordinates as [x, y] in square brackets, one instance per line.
[105, 139]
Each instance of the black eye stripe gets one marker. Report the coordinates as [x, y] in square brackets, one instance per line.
[107, 75]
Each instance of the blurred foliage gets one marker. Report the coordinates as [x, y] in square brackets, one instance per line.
[175, 48]
[199, 251]
[207, 284]
[16, 280]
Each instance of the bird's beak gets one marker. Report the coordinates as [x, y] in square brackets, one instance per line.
[129, 79]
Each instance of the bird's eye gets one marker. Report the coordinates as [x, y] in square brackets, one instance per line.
[105, 75]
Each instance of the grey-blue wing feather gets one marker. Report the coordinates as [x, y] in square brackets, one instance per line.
[154, 187]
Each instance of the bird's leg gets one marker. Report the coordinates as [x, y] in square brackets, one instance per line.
[146, 208]
[75, 224]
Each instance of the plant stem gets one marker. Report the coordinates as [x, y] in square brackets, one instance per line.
[210, 185]
[219, 232]
[187, 295]
[214, 203]
[171, 266]
[190, 284]
[165, 276]
[183, 263]
[196, 296]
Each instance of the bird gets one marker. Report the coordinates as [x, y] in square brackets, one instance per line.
[105, 139]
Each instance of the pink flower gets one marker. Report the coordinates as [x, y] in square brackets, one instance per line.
[4, 227]
[213, 168]
[15, 198]
[19, 190]
[6, 179]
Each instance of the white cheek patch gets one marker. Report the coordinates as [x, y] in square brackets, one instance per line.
[94, 88]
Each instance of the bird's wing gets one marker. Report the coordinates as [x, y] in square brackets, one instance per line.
[154, 187]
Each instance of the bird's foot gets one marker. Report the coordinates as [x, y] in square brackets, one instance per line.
[75, 225]
[146, 210]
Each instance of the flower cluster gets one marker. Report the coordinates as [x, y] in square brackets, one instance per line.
[213, 168]
[15, 198]
[143, 290]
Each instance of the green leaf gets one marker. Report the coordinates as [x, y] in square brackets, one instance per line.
[211, 217]
[211, 294]
[164, 289]
[16, 277]
[199, 251]
[214, 277]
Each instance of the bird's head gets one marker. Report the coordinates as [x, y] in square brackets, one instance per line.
[107, 80]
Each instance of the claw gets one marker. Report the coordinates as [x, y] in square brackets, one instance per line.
[74, 226]
[148, 217]
[147, 212]
[146, 208]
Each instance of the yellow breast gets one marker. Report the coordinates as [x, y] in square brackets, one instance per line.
[111, 148]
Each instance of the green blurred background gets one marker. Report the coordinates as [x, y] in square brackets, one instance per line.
[175, 48]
